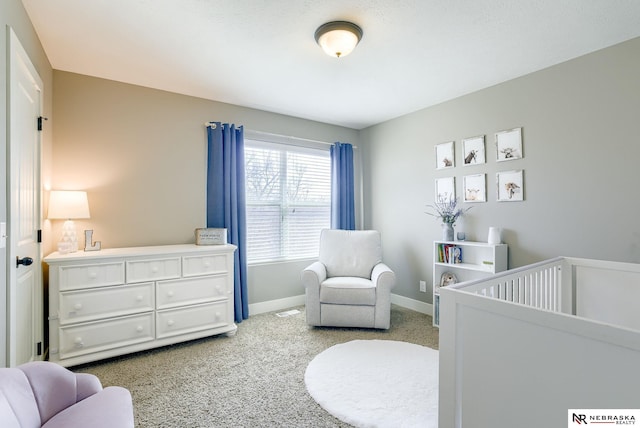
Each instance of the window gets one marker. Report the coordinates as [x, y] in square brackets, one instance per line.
[288, 191]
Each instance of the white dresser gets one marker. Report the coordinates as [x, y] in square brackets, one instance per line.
[121, 300]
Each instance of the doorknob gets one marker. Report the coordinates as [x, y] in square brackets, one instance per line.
[26, 261]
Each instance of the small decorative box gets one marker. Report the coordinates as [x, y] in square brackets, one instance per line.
[211, 236]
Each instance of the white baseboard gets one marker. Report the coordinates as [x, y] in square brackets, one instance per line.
[415, 305]
[275, 305]
[289, 302]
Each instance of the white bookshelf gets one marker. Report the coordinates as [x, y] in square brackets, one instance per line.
[477, 260]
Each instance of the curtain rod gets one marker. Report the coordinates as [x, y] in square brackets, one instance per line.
[308, 140]
[278, 136]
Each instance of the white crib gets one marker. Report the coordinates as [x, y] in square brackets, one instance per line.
[524, 346]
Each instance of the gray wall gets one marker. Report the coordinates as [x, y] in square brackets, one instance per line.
[12, 14]
[581, 149]
[140, 154]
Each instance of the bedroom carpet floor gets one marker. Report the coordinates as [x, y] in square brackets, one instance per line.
[254, 379]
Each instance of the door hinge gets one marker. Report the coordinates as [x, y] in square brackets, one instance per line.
[39, 348]
[39, 237]
[40, 119]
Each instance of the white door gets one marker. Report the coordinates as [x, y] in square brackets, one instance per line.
[24, 312]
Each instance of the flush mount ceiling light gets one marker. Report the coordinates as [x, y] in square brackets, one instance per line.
[338, 38]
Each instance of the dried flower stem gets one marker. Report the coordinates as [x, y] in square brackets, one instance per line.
[446, 210]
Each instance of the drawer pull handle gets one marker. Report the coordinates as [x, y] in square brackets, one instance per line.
[78, 342]
[154, 269]
[139, 298]
[170, 323]
[139, 329]
[77, 306]
[93, 275]
[207, 264]
[170, 294]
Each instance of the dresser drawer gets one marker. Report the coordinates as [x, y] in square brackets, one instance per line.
[173, 322]
[181, 292]
[204, 264]
[103, 335]
[150, 270]
[95, 275]
[94, 304]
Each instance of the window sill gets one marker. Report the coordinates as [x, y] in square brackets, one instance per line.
[283, 261]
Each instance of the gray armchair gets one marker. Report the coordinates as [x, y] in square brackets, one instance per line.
[349, 286]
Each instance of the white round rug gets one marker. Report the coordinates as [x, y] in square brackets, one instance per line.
[377, 383]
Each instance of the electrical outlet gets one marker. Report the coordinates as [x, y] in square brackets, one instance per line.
[423, 286]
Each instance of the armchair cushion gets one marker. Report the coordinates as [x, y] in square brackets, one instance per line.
[343, 290]
[350, 252]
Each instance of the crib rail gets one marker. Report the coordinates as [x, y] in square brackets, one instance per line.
[579, 331]
[538, 285]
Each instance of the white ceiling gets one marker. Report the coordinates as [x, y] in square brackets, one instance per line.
[262, 53]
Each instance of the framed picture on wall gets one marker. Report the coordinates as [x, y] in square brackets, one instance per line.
[473, 150]
[475, 188]
[445, 189]
[445, 155]
[509, 144]
[510, 186]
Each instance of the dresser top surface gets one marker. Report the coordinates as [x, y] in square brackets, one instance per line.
[182, 249]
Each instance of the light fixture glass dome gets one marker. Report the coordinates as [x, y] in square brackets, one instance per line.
[338, 38]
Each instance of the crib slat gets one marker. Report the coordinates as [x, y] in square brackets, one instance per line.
[540, 287]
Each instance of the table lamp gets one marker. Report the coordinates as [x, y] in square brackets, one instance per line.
[68, 205]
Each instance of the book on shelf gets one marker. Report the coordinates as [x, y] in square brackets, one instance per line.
[449, 253]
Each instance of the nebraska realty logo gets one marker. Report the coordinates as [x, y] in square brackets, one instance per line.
[603, 417]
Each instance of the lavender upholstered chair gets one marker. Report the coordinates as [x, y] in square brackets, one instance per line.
[44, 394]
[349, 286]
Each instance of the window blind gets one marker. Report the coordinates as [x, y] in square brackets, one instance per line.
[288, 191]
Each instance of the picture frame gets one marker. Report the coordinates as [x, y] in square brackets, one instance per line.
[474, 188]
[509, 145]
[445, 189]
[445, 155]
[473, 151]
[510, 186]
[211, 236]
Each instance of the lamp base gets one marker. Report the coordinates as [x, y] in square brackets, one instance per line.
[69, 241]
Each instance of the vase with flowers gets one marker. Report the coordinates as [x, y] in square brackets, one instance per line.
[448, 211]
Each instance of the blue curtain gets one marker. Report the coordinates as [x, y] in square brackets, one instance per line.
[226, 203]
[342, 197]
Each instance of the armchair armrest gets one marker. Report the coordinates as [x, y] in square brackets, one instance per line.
[313, 275]
[383, 277]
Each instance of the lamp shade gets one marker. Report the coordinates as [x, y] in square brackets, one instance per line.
[338, 38]
[68, 204]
